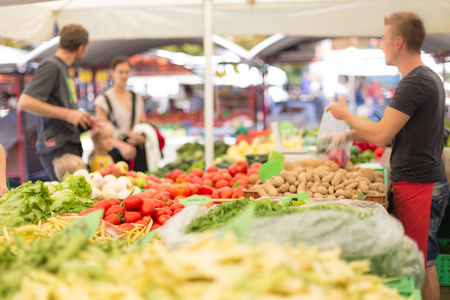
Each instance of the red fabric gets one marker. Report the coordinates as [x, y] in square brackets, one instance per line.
[161, 139]
[412, 206]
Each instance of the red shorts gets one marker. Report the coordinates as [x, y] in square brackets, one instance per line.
[412, 206]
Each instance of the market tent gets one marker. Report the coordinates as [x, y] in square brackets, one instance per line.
[101, 52]
[114, 19]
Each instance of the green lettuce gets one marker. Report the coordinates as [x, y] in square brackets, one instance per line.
[26, 204]
[66, 201]
[77, 184]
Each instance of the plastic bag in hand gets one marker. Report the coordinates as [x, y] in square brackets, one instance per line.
[332, 141]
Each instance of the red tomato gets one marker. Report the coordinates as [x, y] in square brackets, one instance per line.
[221, 183]
[157, 203]
[147, 208]
[212, 169]
[169, 202]
[105, 204]
[132, 216]
[158, 212]
[204, 189]
[127, 226]
[163, 219]
[113, 219]
[114, 201]
[132, 203]
[116, 210]
[168, 211]
[177, 211]
[155, 226]
[176, 206]
[87, 211]
[143, 222]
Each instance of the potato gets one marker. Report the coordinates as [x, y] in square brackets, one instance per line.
[382, 189]
[374, 193]
[287, 194]
[301, 188]
[277, 181]
[336, 179]
[317, 179]
[368, 173]
[284, 187]
[322, 169]
[354, 174]
[309, 176]
[363, 186]
[323, 174]
[311, 162]
[331, 197]
[323, 190]
[271, 190]
[374, 186]
[331, 190]
[328, 178]
[339, 193]
[326, 184]
[351, 186]
[349, 166]
[309, 194]
[288, 176]
[379, 174]
[302, 177]
[339, 187]
[334, 166]
[309, 184]
[292, 189]
[318, 195]
[342, 171]
[346, 182]
[261, 192]
[297, 183]
[379, 179]
[316, 184]
[341, 197]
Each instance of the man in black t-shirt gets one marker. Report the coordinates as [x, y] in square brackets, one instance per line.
[51, 96]
[414, 121]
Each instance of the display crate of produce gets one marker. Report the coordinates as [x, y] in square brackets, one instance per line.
[405, 287]
[253, 158]
[443, 269]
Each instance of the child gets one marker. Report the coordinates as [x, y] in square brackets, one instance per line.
[3, 186]
[67, 163]
[103, 140]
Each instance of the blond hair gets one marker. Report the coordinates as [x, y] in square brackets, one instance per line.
[102, 127]
[410, 27]
[67, 163]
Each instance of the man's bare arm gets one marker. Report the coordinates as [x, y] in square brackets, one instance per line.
[40, 108]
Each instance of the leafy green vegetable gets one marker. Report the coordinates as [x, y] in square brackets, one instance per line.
[66, 201]
[222, 214]
[76, 184]
[32, 202]
[28, 203]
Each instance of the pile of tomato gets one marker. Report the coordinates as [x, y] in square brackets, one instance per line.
[136, 210]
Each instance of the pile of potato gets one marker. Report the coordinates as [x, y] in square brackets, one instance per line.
[323, 179]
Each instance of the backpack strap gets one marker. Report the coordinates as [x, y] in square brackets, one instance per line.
[113, 118]
[111, 115]
[133, 109]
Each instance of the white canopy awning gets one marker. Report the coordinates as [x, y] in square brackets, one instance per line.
[117, 19]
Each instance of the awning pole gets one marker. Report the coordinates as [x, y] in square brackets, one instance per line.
[208, 87]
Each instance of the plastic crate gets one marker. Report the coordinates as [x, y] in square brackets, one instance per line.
[405, 287]
[443, 269]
